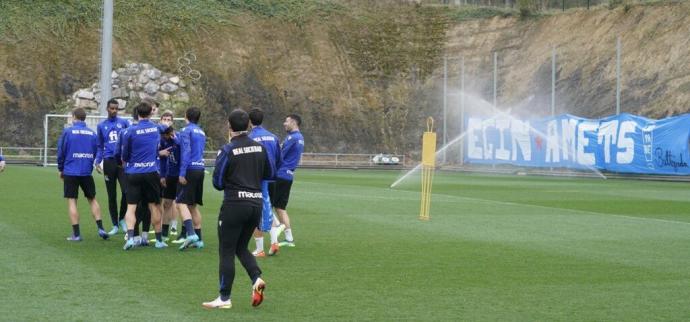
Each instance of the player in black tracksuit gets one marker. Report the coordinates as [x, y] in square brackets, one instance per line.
[240, 167]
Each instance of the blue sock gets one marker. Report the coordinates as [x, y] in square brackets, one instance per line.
[130, 233]
[159, 237]
[75, 230]
[188, 226]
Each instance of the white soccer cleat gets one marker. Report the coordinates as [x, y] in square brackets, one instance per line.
[218, 304]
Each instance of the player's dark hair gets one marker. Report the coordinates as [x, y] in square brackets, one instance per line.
[113, 101]
[143, 110]
[79, 113]
[193, 114]
[296, 117]
[256, 115]
[239, 120]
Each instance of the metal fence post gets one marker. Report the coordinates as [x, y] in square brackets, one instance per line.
[106, 55]
[553, 81]
[618, 75]
[445, 104]
[495, 77]
[462, 109]
[45, 141]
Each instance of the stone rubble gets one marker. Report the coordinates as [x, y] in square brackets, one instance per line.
[136, 81]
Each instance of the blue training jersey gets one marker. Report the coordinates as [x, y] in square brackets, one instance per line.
[170, 165]
[291, 152]
[272, 145]
[140, 147]
[108, 133]
[77, 149]
[192, 143]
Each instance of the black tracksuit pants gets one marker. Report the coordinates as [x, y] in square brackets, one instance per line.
[114, 174]
[236, 224]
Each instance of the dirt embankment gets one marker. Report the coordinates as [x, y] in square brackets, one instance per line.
[655, 60]
[363, 79]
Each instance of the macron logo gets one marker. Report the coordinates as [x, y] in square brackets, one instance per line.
[144, 164]
[247, 195]
[82, 155]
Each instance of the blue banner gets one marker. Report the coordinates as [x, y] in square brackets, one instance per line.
[620, 143]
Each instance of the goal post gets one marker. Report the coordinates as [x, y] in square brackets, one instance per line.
[53, 124]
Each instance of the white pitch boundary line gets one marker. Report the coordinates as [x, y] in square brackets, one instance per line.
[508, 203]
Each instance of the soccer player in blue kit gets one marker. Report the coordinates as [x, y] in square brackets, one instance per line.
[140, 155]
[291, 152]
[272, 145]
[108, 133]
[76, 152]
[190, 187]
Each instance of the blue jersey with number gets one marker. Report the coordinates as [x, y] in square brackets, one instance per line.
[108, 133]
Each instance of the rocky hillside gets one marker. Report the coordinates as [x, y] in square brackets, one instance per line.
[362, 76]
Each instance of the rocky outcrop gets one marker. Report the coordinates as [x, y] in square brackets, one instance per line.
[135, 82]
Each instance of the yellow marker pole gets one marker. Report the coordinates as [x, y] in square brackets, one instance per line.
[428, 165]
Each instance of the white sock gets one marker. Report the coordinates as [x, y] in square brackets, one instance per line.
[288, 234]
[173, 223]
[259, 243]
[274, 235]
[145, 235]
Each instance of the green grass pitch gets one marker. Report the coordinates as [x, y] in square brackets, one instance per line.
[496, 248]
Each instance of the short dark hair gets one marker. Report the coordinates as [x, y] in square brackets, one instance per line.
[193, 114]
[295, 117]
[79, 113]
[239, 120]
[143, 109]
[113, 101]
[256, 115]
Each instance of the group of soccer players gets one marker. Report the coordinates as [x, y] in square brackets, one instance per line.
[132, 155]
[152, 162]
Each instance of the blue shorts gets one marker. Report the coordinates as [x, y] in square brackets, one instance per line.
[266, 211]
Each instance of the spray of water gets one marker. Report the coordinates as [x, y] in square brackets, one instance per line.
[481, 103]
[439, 151]
[507, 114]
